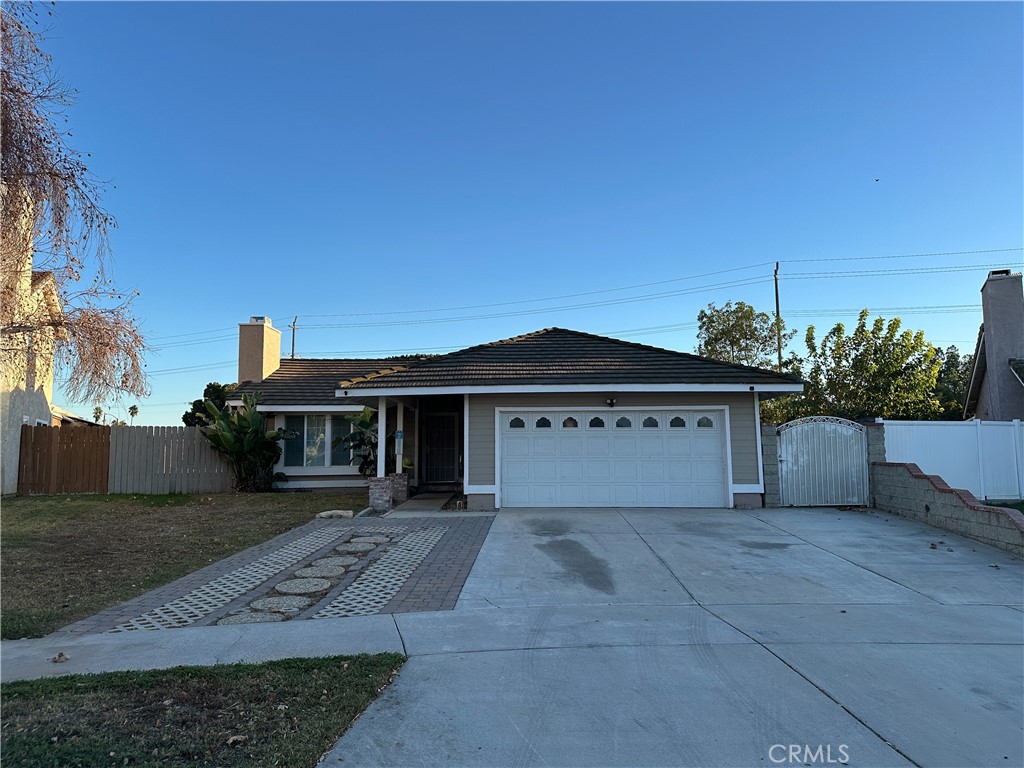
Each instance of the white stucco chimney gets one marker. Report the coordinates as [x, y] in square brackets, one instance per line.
[259, 349]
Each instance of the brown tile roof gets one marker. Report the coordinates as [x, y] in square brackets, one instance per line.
[560, 356]
[307, 382]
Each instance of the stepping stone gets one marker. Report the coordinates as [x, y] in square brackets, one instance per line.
[302, 586]
[356, 547]
[289, 603]
[252, 618]
[337, 562]
[333, 513]
[371, 539]
[320, 572]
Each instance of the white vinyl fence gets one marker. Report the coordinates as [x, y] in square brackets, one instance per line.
[983, 457]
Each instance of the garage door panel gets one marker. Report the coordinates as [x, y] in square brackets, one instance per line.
[570, 445]
[516, 471]
[544, 495]
[544, 471]
[543, 445]
[621, 458]
[652, 470]
[625, 470]
[679, 445]
[570, 470]
[597, 495]
[679, 472]
[571, 496]
[625, 495]
[706, 471]
[624, 445]
[516, 446]
[653, 495]
[652, 446]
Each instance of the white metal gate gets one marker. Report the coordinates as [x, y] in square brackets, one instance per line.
[823, 461]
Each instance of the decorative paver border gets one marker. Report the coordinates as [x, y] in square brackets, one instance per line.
[228, 586]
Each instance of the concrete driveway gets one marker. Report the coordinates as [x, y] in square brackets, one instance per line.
[711, 638]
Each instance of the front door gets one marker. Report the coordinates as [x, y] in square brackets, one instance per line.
[440, 435]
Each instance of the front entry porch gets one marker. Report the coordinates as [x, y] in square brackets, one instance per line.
[426, 436]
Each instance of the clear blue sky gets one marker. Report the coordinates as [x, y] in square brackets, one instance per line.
[340, 161]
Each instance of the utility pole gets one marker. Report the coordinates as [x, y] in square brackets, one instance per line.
[778, 317]
[295, 321]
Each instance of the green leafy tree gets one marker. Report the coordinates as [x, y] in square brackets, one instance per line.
[877, 370]
[951, 385]
[738, 333]
[216, 393]
[241, 436]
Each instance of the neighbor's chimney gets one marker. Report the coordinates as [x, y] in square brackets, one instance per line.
[1002, 306]
[259, 349]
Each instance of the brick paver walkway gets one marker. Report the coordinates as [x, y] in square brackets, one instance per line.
[422, 567]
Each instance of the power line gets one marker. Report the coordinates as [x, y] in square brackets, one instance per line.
[596, 292]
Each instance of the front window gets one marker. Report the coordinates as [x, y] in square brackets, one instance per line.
[317, 441]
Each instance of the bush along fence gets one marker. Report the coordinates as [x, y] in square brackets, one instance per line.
[119, 460]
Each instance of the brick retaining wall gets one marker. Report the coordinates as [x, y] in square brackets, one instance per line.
[905, 490]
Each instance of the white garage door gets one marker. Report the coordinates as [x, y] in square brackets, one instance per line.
[613, 458]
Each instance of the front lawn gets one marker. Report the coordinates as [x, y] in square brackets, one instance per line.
[67, 557]
[282, 713]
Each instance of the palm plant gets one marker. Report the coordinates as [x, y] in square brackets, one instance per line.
[133, 411]
[243, 438]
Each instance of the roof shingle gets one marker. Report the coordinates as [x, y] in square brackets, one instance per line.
[560, 356]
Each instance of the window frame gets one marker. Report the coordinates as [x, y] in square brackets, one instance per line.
[328, 466]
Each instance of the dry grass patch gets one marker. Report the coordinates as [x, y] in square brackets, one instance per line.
[282, 713]
[67, 557]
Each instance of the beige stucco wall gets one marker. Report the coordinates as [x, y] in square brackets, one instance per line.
[26, 359]
[743, 426]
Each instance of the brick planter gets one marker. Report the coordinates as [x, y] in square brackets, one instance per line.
[380, 493]
[399, 488]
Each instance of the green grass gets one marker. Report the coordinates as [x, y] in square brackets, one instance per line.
[67, 557]
[289, 713]
[1018, 505]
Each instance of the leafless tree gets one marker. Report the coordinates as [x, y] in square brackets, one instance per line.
[52, 221]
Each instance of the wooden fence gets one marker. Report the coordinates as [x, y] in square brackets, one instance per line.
[165, 460]
[119, 460]
[65, 460]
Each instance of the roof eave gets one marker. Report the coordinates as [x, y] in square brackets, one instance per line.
[498, 389]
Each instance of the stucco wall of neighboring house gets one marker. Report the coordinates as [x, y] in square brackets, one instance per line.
[1001, 397]
[743, 426]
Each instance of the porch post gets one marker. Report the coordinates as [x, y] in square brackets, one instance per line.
[399, 436]
[382, 417]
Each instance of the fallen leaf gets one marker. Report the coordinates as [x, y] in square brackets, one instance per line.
[933, 545]
[60, 658]
[235, 741]
[993, 565]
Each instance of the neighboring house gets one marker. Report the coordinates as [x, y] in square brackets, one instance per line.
[26, 360]
[996, 391]
[554, 418]
[61, 417]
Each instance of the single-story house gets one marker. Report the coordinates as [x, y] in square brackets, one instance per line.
[553, 418]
